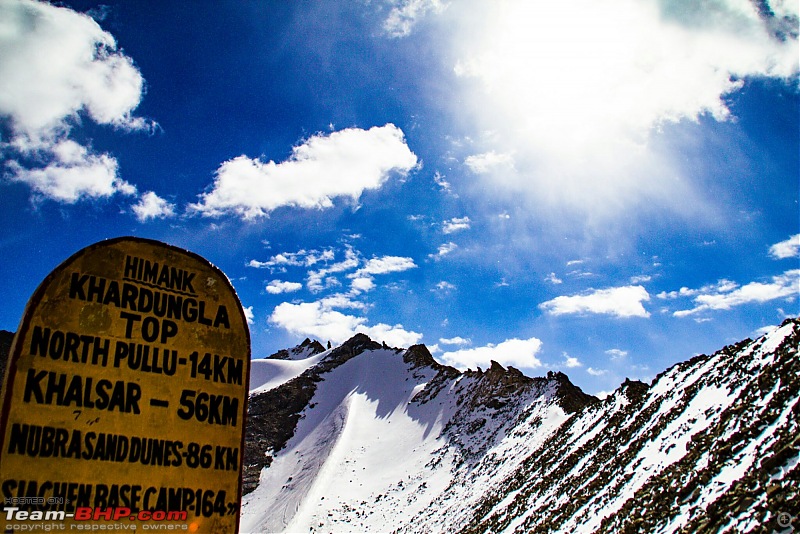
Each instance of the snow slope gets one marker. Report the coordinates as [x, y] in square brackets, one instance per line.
[268, 374]
[350, 448]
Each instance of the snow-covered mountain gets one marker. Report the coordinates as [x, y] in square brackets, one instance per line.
[367, 438]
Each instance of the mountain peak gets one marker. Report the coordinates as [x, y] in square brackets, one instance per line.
[633, 389]
[302, 351]
[359, 343]
[420, 356]
[569, 396]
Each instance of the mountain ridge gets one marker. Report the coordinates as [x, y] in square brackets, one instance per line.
[390, 437]
[274, 414]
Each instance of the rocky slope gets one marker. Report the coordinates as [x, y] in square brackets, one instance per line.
[712, 445]
[368, 438]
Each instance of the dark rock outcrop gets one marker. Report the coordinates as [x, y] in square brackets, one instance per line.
[306, 348]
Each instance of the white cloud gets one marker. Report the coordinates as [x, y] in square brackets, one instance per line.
[443, 184]
[488, 161]
[295, 259]
[617, 354]
[316, 285]
[682, 292]
[72, 174]
[784, 286]
[384, 265]
[342, 164]
[394, 336]
[152, 206]
[786, 249]
[455, 224]
[571, 362]
[258, 264]
[313, 257]
[577, 273]
[574, 89]
[325, 318]
[443, 250]
[340, 300]
[320, 320]
[553, 279]
[55, 63]
[625, 301]
[362, 279]
[301, 258]
[722, 286]
[362, 284]
[248, 314]
[515, 352]
[406, 13]
[314, 319]
[445, 286]
[315, 278]
[276, 287]
[56, 66]
[596, 372]
[458, 340]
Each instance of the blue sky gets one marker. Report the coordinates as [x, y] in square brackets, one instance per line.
[601, 189]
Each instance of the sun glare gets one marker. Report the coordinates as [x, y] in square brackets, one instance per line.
[561, 71]
[578, 88]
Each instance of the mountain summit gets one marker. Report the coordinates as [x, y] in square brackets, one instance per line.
[367, 438]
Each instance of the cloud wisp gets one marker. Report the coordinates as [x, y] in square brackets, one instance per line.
[344, 163]
[327, 318]
[729, 295]
[458, 340]
[280, 261]
[384, 265]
